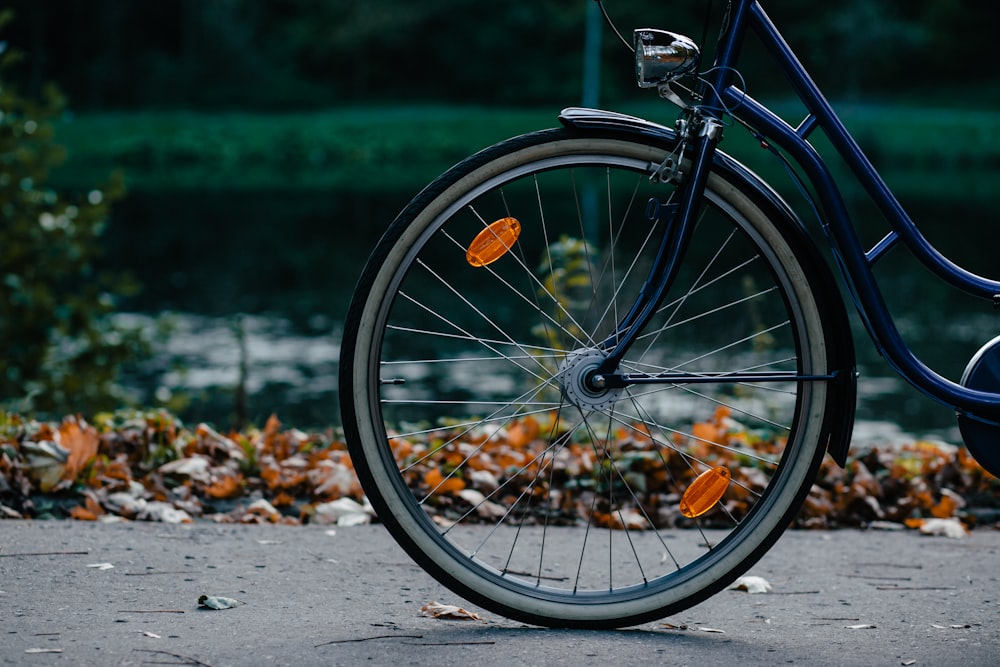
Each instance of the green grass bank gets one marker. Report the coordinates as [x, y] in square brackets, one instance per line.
[919, 150]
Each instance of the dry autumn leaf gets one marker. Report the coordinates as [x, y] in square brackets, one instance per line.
[45, 462]
[217, 602]
[198, 472]
[91, 509]
[225, 486]
[439, 483]
[671, 626]
[751, 584]
[81, 440]
[101, 566]
[448, 612]
[521, 432]
[343, 512]
[952, 528]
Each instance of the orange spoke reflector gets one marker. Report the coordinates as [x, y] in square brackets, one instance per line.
[493, 242]
[704, 492]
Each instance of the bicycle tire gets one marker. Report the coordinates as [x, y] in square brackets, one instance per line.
[457, 385]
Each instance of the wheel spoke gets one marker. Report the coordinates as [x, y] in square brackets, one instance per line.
[485, 440]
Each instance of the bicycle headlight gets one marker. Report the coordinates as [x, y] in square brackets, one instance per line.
[661, 56]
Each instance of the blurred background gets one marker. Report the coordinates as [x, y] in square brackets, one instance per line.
[189, 188]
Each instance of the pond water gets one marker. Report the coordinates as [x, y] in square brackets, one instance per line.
[255, 285]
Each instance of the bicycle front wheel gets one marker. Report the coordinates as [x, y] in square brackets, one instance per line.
[507, 476]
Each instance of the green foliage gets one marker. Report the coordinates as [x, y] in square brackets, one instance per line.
[61, 349]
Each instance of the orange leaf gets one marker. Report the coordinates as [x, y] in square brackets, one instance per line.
[283, 500]
[705, 431]
[272, 426]
[401, 449]
[948, 506]
[228, 486]
[91, 504]
[82, 514]
[271, 443]
[643, 437]
[81, 441]
[601, 519]
[437, 482]
[522, 432]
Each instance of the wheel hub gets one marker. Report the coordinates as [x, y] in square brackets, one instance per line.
[577, 376]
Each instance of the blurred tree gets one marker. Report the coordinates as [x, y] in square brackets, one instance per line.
[459, 50]
[61, 351]
[284, 54]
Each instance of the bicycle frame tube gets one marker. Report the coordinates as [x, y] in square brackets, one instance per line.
[857, 265]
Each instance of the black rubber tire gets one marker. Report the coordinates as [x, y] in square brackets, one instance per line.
[412, 274]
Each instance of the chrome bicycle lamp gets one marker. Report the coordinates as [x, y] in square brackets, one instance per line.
[662, 56]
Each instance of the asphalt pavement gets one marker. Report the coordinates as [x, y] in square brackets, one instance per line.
[77, 593]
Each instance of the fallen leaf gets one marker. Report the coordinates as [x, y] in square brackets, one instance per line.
[195, 467]
[152, 634]
[715, 630]
[630, 519]
[949, 504]
[671, 626]
[520, 433]
[907, 663]
[344, 512]
[45, 462]
[264, 509]
[81, 513]
[861, 626]
[80, 439]
[43, 650]
[751, 584]
[226, 486]
[886, 525]
[439, 483]
[952, 528]
[484, 508]
[953, 626]
[162, 512]
[218, 602]
[448, 612]
[102, 566]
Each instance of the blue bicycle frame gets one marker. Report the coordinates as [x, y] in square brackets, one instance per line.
[855, 263]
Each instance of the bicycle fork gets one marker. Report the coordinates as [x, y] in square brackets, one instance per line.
[602, 374]
[679, 218]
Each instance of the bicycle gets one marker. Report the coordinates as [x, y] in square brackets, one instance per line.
[589, 373]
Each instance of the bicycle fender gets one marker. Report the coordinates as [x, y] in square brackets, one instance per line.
[838, 426]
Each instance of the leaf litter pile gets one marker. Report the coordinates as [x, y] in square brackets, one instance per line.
[150, 466]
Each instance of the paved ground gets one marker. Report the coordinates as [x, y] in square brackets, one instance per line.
[350, 596]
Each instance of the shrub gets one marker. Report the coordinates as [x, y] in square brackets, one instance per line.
[61, 350]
